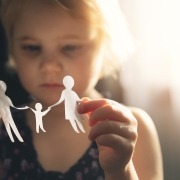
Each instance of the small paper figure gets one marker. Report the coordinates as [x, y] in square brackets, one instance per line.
[71, 99]
[5, 103]
[39, 114]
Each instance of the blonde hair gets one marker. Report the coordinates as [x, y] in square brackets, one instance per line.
[105, 16]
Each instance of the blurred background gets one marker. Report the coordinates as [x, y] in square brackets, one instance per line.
[149, 78]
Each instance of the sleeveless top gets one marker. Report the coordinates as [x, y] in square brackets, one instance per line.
[19, 159]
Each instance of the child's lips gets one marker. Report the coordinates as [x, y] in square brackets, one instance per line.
[52, 85]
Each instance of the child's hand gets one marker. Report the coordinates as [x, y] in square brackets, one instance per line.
[115, 130]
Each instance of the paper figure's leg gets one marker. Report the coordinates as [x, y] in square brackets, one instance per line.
[13, 126]
[9, 131]
[80, 125]
[37, 126]
[73, 123]
[41, 125]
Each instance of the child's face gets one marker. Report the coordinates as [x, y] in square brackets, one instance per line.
[49, 44]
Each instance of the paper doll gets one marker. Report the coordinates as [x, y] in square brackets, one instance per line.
[5, 103]
[39, 114]
[71, 99]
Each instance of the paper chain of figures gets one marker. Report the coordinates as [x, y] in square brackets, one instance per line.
[68, 95]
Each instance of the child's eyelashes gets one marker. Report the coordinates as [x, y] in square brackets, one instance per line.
[71, 50]
[32, 48]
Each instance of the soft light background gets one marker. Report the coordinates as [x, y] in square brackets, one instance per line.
[151, 76]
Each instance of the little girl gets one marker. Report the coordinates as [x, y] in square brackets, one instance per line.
[49, 39]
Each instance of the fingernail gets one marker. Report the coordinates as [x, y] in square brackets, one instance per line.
[80, 108]
[79, 102]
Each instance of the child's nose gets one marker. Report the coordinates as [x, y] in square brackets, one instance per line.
[51, 63]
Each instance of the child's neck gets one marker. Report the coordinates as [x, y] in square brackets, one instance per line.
[54, 146]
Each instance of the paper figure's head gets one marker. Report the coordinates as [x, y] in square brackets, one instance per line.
[3, 86]
[104, 16]
[38, 106]
[68, 82]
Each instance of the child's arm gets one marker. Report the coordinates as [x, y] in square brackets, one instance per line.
[148, 143]
[114, 127]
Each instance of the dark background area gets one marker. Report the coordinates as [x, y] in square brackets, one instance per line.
[14, 89]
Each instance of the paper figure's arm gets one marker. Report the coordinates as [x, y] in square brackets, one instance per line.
[78, 100]
[76, 97]
[26, 107]
[11, 104]
[9, 101]
[32, 109]
[46, 111]
[60, 100]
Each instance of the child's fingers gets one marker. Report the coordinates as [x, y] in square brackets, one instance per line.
[111, 112]
[88, 105]
[85, 99]
[119, 144]
[113, 127]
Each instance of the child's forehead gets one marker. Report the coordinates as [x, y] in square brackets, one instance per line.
[44, 19]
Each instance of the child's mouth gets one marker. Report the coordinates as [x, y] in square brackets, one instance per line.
[52, 85]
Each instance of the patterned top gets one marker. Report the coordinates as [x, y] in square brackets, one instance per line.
[19, 160]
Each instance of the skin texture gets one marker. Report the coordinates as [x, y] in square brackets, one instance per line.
[64, 47]
[48, 44]
[114, 127]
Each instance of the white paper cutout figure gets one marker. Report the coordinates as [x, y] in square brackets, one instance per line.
[39, 114]
[71, 99]
[5, 103]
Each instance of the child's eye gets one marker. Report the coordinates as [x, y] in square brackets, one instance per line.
[32, 48]
[70, 48]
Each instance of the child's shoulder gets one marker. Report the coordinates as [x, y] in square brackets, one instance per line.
[147, 133]
[147, 151]
[145, 123]
[146, 126]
